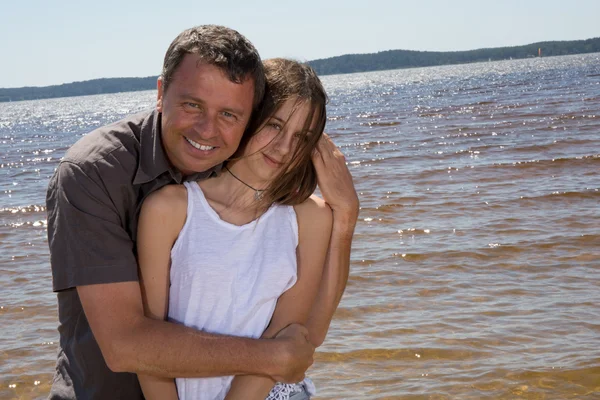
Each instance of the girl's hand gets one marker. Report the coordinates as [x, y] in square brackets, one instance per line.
[335, 180]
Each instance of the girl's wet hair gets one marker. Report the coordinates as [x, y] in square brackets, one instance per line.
[289, 79]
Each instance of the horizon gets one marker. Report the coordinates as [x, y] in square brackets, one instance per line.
[432, 51]
[71, 42]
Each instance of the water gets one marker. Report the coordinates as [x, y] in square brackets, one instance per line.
[476, 260]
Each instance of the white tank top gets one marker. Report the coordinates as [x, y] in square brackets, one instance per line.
[226, 278]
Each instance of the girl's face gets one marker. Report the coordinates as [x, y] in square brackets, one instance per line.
[270, 149]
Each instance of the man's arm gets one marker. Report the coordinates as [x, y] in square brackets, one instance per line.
[132, 342]
[81, 211]
[337, 188]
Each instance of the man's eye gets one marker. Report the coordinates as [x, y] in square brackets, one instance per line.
[228, 114]
[191, 105]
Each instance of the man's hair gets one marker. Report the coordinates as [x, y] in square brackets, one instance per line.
[289, 79]
[222, 47]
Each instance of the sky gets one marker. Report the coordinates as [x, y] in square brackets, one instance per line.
[46, 42]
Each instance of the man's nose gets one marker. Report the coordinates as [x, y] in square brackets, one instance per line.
[206, 127]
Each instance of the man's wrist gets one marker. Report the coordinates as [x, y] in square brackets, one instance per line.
[278, 356]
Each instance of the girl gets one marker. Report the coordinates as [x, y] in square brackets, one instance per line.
[242, 253]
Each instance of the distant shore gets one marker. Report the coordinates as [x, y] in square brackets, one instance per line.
[345, 64]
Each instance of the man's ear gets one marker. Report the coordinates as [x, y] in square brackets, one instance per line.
[159, 97]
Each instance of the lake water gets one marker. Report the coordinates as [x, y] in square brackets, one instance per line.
[476, 261]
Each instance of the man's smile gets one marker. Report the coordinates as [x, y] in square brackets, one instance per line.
[198, 145]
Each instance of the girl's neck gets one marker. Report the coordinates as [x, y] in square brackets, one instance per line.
[241, 171]
[258, 192]
[233, 192]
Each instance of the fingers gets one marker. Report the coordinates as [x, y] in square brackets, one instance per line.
[325, 145]
[327, 150]
[304, 332]
[317, 155]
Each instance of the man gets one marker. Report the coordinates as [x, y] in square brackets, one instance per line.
[212, 81]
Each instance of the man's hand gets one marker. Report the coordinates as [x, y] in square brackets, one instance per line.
[297, 353]
[335, 181]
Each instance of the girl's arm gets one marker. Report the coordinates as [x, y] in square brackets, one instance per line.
[161, 219]
[337, 188]
[294, 306]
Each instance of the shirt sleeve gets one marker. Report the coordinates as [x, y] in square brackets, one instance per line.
[87, 239]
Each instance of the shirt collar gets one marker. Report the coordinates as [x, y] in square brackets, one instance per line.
[153, 161]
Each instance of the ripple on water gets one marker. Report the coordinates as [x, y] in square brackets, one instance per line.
[474, 269]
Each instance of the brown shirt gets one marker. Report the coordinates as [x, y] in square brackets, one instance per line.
[93, 203]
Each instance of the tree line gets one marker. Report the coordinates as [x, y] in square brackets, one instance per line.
[395, 59]
[95, 86]
[349, 63]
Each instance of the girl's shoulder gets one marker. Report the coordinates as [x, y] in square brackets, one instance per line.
[167, 197]
[170, 201]
[314, 210]
[313, 203]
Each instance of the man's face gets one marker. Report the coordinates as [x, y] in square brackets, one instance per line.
[204, 115]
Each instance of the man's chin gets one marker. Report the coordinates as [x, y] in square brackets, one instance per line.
[200, 168]
[193, 165]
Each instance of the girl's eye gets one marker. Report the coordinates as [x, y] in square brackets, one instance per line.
[301, 136]
[274, 125]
